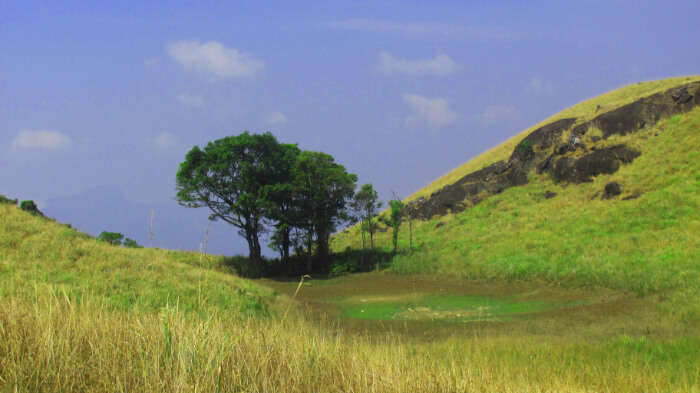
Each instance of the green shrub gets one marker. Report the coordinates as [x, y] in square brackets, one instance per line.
[112, 238]
[30, 207]
[4, 199]
[131, 243]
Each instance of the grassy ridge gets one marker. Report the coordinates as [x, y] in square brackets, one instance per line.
[584, 111]
[650, 244]
[38, 255]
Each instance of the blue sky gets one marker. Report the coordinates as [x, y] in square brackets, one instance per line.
[100, 102]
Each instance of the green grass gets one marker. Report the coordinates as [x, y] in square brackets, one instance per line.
[38, 255]
[442, 307]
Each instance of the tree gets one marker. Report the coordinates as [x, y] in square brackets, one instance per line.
[30, 207]
[367, 204]
[112, 238]
[283, 209]
[131, 243]
[234, 177]
[322, 188]
[395, 219]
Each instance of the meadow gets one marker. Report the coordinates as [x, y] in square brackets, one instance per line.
[584, 295]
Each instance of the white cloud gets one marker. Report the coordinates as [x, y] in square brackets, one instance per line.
[440, 65]
[41, 139]
[276, 119]
[214, 58]
[496, 112]
[164, 141]
[190, 100]
[434, 112]
[538, 86]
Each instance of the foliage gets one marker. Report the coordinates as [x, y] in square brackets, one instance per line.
[283, 209]
[30, 207]
[112, 238]
[6, 200]
[396, 213]
[366, 205]
[323, 189]
[524, 147]
[234, 177]
[131, 243]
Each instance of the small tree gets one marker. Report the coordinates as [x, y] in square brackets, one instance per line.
[131, 243]
[395, 219]
[112, 238]
[366, 202]
[30, 207]
[4, 199]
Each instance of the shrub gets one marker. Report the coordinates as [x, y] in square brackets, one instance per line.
[4, 199]
[131, 243]
[112, 238]
[524, 147]
[30, 207]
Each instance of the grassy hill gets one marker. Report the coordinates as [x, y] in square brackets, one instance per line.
[646, 244]
[39, 256]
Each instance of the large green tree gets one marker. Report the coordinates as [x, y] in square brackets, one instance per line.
[284, 210]
[235, 177]
[323, 189]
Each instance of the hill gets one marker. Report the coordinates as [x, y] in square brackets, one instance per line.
[39, 256]
[605, 193]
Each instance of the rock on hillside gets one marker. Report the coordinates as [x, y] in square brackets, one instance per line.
[566, 159]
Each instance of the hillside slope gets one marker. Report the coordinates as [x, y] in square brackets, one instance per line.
[536, 207]
[39, 256]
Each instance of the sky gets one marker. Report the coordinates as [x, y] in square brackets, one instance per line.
[99, 103]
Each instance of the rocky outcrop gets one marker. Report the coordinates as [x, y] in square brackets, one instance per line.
[566, 161]
[583, 169]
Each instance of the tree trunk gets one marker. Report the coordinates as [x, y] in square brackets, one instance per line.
[285, 245]
[309, 255]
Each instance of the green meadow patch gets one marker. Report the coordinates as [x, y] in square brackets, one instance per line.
[454, 308]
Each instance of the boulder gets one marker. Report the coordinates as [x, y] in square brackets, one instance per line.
[602, 161]
[611, 190]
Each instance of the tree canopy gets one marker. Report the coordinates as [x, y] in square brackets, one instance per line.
[256, 183]
[234, 177]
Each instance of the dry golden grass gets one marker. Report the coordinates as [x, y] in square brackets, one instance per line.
[53, 344]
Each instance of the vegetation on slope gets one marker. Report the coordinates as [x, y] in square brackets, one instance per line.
[38, 255]
[647, 244]
[583, 111]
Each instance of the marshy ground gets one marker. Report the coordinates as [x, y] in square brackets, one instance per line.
[427, 308]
